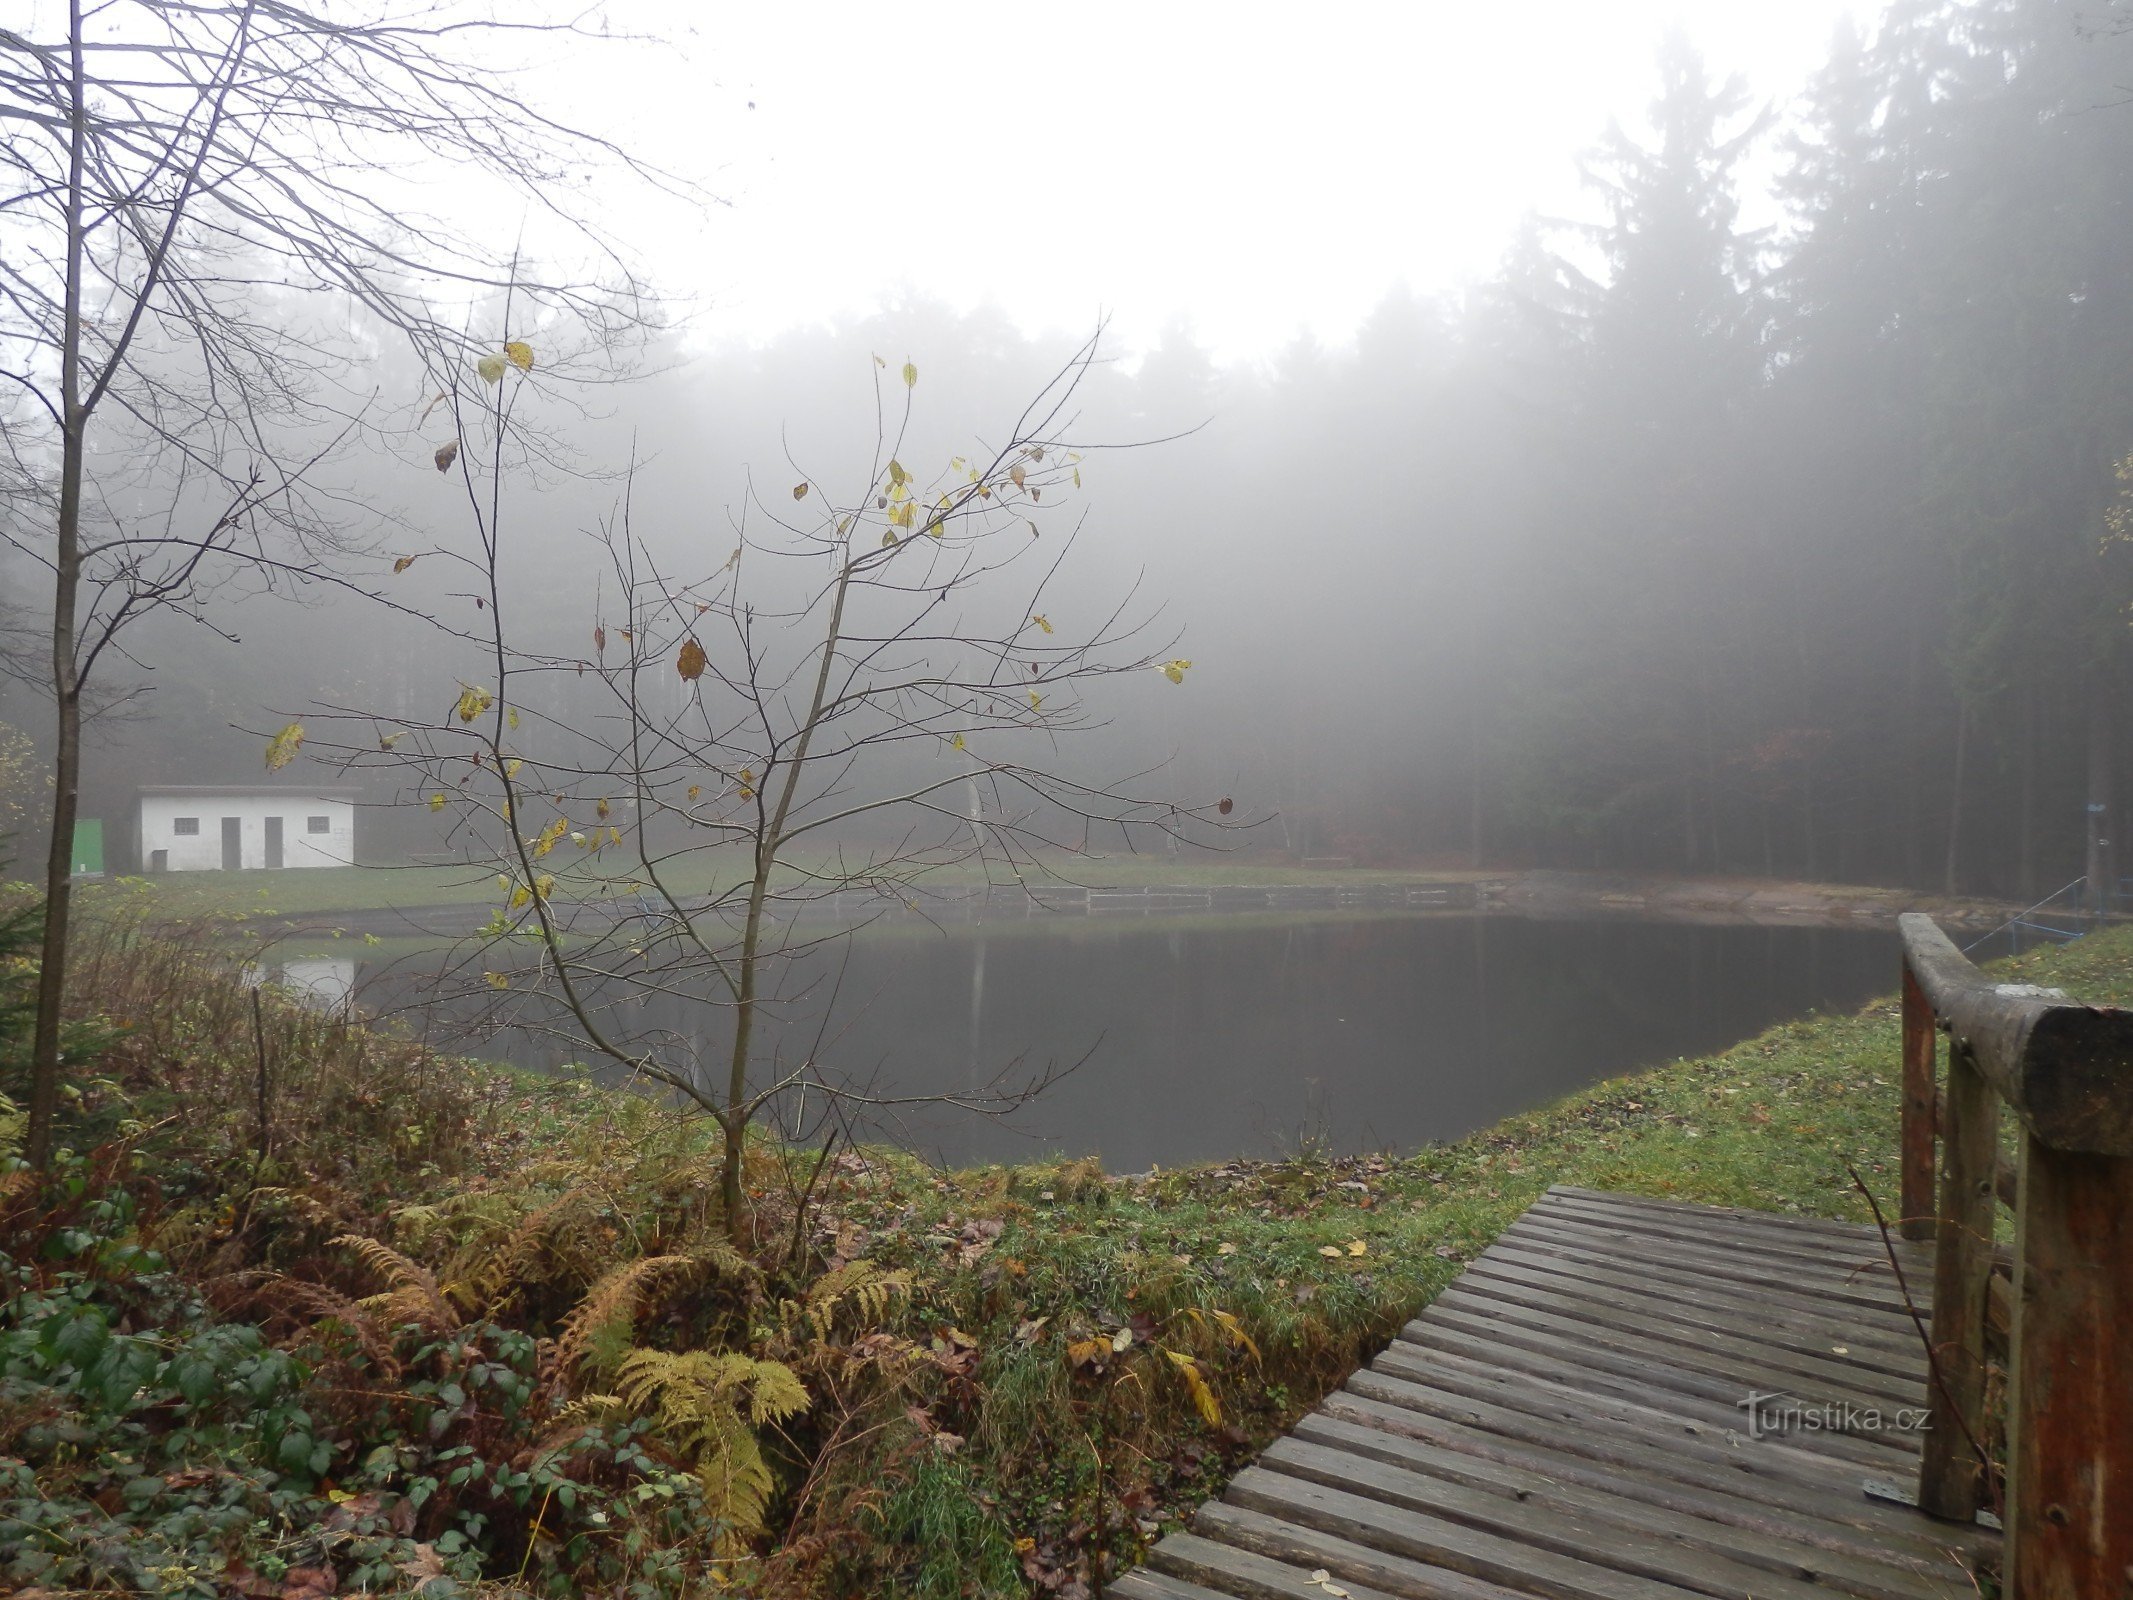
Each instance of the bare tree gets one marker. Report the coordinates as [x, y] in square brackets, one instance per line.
[736, 765]
[215, 221]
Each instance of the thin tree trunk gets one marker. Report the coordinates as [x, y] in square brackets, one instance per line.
[2101, 863]
[45, 1063]
[2026, 807]
[1955, 798]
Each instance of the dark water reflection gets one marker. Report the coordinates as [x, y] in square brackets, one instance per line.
[1248, 1036]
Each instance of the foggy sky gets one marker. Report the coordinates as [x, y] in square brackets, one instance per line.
[1256, 170]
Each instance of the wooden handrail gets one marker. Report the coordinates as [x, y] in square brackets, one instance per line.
[2065, 1071]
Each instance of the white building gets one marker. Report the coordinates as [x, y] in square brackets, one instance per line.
[203, 828]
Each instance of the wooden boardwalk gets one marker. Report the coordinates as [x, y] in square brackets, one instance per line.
[1566, 1420]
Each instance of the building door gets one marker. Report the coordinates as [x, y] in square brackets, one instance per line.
[232, 843]
[159, 861]
[273, 841]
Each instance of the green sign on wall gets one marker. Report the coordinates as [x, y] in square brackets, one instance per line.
[89, 849]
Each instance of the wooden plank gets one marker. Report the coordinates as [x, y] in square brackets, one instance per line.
[1888, 1340]
[1920, 1065]
[1842, 1255]
[1602, 1464]
[1568, 1391]
[1864, 1290]
[1878, 1576]
[1722, 1402]
[1736, 1359]
[1950, 1476]
[1350, 1562]
[1737, 1268]
[1418, 1537]
[1142, 1584]
[1550, 1414]
[1561, 1524]
[1690, 1325]
[2070, 1489]
[1776, 1221]
[1195, 1559]
[1858, 1263]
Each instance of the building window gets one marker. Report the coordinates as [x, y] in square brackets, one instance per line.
[184, 827]
[318, 824]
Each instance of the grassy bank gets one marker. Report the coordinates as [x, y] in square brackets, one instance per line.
[448, 1328]
[316, 891]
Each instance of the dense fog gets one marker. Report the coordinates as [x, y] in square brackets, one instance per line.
[1672, 546]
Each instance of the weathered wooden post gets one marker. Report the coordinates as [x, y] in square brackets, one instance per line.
[1951, 1477]
[2070, 1424]
[2065, 1071]
[1919, 1110]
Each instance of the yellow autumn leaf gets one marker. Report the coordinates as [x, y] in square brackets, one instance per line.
[549, 837]
[1235, 1329]
[497, 980]
[1332, 1250]
[888, 538]
[1017, 474]
[437, 802]
[601, 809]
[1175, 670]
[1358, 1247]
[910, 376]
[1203, 1398]
[281, 749]
[695, 792]
[520, 896]
[1036, 701]
[387, 740]
[956, 743]
[491, 369]
[544, 885]
[799, 491]
[473, 702]
[692, 660]
[903, 515]
[514, 716]
[403, 563]
[519, 354]
[1042, 621]
[511, 767]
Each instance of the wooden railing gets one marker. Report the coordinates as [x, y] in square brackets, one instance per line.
[2055, 1317]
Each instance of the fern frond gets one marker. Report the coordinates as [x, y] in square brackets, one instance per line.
[414, 1287]
[696, 1398]
[862, 1286]
[614, 1298]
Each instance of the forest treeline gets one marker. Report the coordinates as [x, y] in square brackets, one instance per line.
[1678, 545]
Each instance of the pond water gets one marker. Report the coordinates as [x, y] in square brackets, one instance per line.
[1254, 1036]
